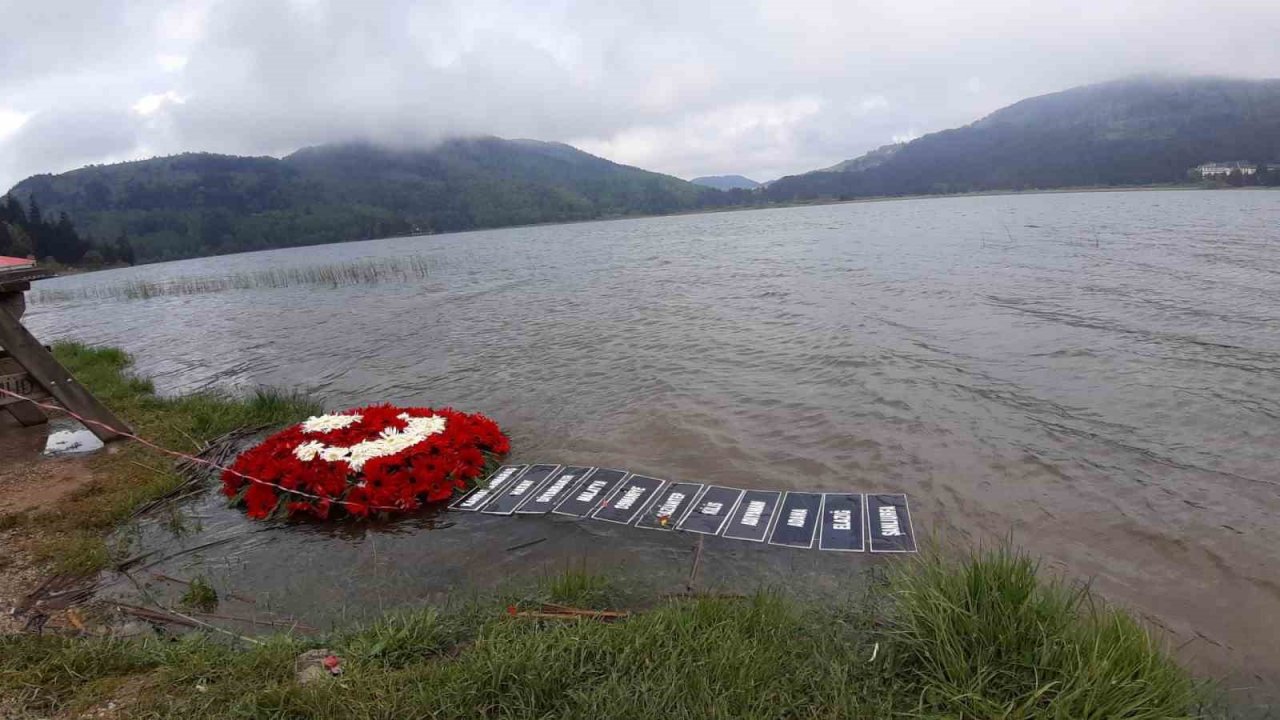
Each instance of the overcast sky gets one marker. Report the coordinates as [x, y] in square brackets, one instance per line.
[762, 88]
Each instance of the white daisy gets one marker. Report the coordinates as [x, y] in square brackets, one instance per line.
[308, 451]
[389, 442]
[325, 423]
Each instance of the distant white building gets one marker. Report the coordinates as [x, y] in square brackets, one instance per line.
[1213, 169]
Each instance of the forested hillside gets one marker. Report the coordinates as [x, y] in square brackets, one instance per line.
[26, 231]
[726, 182]
[1131, 132]
[201, 204]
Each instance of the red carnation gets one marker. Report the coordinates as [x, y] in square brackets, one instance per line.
[375, 460]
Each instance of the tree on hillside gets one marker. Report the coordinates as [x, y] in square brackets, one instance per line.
[11, 211]
[13, 240]
[26, 232]
[34, 215]
[124, 249]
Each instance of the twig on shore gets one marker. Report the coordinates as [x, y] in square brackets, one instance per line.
[572, 614]
[168, 615]
[57, 592]
[693, 571]
[194, 443]
[292, 624]
[218, 451]
[163, 616]
[145, 466]
[567, 609]
[211, 626]
[710, 595]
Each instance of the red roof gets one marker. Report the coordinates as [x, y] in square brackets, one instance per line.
[14, 262]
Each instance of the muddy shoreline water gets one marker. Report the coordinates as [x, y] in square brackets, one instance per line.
[328, 575]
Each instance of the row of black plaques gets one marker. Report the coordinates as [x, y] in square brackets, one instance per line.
[840, 522]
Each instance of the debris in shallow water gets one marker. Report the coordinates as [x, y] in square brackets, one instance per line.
[289, 624]
[522, 546]
[70, 438]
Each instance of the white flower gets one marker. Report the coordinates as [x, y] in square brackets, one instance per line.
[325, 423]
[308, 450]
[334, 454]
[389, 442]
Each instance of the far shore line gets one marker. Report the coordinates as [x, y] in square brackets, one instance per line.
[715, 211]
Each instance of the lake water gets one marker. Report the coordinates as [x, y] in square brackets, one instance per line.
[1096, 373]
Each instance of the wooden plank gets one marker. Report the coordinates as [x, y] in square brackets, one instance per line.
[48, 372]
[27, 414]
[16, 367]
[23, 384]
[14, 302]
[24, 275]
[24, 412]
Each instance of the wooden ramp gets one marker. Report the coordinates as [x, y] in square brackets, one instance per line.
[27, 367]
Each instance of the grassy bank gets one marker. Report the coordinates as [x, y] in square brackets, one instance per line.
[72, 534]
[975, 638]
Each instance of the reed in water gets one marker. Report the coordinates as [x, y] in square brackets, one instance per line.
[360, 272]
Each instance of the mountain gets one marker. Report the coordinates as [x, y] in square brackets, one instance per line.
[867, 161]
[1128, 132]
[200, 204]
[726, 182]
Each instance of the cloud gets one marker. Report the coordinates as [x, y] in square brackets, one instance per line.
[153, 103]
[62, 140]
[11, 121]
[758, 87]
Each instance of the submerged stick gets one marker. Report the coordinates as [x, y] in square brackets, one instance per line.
[292, 624]
[693, 571]
[522, 546]
[602, 615]
[153, 615]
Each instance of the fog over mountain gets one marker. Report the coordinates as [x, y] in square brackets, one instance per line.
[763, 89]
[726, 182]
[1130, 132]
[1127, 132]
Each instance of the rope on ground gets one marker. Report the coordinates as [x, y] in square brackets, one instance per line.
[190, 459]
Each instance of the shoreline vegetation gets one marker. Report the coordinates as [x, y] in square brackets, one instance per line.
[413, 268]
[974, 634]
[980, 637]
[72, 536]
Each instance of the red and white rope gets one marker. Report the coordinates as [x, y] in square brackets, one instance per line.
[191, 458]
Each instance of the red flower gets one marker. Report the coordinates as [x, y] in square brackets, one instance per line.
[429, 471]
[260, 501]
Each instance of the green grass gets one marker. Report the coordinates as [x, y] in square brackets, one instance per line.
[988, 638]
[977, 637]
[200, 595]
[71, 536]
[581, 589]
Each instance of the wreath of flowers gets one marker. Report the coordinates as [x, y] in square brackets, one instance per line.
[379, 459]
